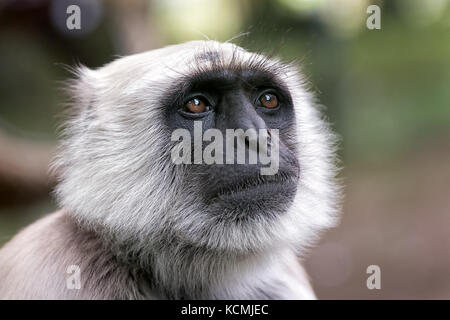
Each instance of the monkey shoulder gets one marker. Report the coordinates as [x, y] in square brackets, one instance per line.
[54, 259]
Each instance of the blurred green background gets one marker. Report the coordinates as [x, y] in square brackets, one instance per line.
[387, 94]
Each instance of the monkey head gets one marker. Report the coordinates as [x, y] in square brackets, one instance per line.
[118, 175]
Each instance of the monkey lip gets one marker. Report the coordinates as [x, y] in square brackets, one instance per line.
[255, 188]
[266, 189]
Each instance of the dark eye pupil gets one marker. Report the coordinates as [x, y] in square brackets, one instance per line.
[196, 101]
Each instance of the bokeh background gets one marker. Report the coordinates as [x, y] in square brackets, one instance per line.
[387, 92]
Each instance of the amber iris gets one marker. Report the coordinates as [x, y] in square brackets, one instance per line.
[269, 100]
[195, 105]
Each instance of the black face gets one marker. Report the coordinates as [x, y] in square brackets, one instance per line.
[237, 98]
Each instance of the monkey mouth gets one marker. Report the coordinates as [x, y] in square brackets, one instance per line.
[255, 188]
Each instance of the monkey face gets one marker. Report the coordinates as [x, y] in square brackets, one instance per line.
[116, 161]
[227, 97]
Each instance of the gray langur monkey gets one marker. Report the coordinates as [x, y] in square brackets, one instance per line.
[138, 226]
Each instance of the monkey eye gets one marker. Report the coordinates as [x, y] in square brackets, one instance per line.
[269, 100]
[197, 105]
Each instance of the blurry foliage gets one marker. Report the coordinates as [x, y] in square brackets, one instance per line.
[387, 92]
[27, 99]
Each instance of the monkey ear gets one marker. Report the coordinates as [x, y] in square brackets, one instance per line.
[81, 89]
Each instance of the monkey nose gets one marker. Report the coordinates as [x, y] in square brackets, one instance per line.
[247, 119]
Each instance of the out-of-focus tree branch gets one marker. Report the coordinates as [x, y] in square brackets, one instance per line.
[24, 174]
